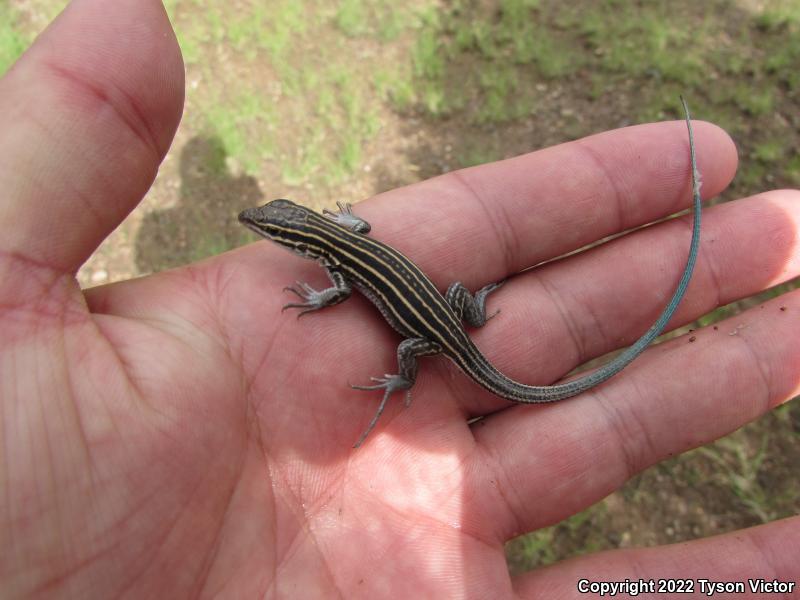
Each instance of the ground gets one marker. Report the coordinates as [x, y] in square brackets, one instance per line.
[322, 101]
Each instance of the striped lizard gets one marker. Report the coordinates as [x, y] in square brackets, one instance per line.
[430, 322]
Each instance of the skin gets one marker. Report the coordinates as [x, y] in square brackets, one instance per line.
[175, 435]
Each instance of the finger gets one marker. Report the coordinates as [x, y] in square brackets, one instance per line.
[480, 224]
[768, 552]
[86, 116]
[552, 461]
[566, 313]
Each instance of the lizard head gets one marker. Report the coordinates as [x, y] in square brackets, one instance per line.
[275, 215]
[285, 223]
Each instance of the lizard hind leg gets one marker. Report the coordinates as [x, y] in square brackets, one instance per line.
[391, 383]
[468, 307]
[407, 353]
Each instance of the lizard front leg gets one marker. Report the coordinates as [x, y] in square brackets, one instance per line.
[347, 219]
[317, 299]
[407, 353]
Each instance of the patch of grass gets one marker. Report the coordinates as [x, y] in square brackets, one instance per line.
[542, 547]
[321, 104]
[739, 467]
[769, 151]
[351, 17]
[288, 21]
[783, 62]
[382, 20]
[396, 87]
[12, 42]
[784, 54]
[512, 46]
[194, 34]
[428, 55]
[247, 32]
[793, 169]
[394, 21]
[643, 42]
[753, 101]
[476, 154]
[233, 118]
[474, 57]
[531, 550]
[719, 314]
[498, 87]
[779, 14]
[553, 57]
[429, 69]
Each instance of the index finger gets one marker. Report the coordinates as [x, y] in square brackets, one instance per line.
[483, 223]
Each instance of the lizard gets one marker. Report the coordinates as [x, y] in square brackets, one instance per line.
[430, 323]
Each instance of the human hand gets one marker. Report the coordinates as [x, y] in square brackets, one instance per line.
[176, 435]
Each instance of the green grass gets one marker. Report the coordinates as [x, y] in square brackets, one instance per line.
[793, 170]
[738, 468]
[513, 44]
[12, 42]
[769, 151]
[477, 63]
[301, 86]
[779, 14]
[489, 58]
[647, 43]
[231, 117]
[317, 123]
[542, 547]
[379, 20]
[351, 17]
[472, 154]
[754, 102]
[468, 57]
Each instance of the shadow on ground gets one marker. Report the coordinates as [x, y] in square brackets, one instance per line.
[204, 221]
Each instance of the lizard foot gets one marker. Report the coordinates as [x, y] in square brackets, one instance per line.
[347, 219]
[314, 299]
[390, 383]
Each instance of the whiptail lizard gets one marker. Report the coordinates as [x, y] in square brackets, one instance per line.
[411, 304]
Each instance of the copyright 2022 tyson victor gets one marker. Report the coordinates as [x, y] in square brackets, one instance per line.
[707, 587]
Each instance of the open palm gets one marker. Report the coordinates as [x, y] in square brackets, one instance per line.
[177, 435]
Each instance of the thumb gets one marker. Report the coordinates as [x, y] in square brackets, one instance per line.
[86, 117]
